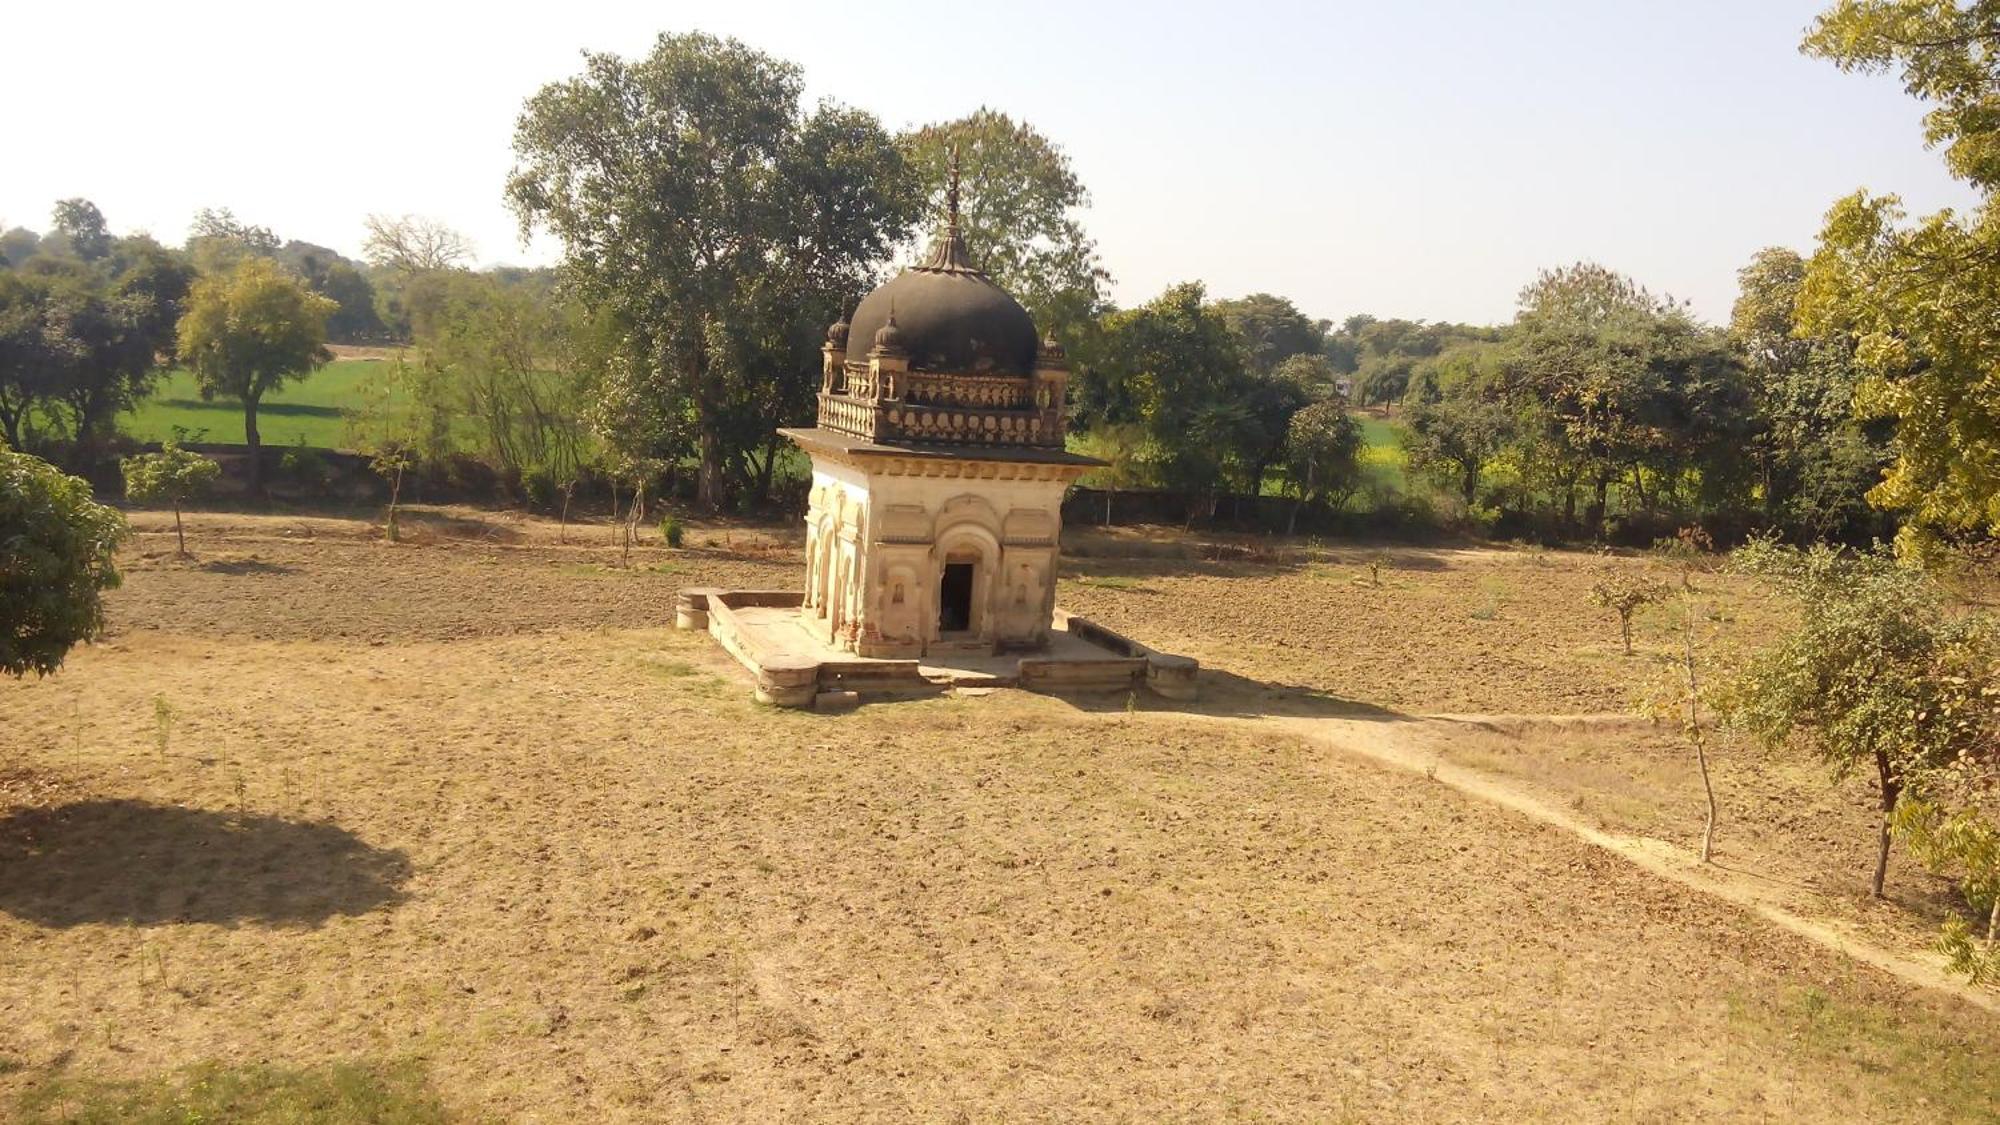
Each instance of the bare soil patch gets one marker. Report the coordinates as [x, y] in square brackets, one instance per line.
[475, 808]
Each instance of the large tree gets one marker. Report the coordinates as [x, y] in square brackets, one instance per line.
[1917, 299]
[1019, 198]
[1272, 330]
[82, 341]
[1815, 461]
[1173, 366]
[710, 213]
[248, 332]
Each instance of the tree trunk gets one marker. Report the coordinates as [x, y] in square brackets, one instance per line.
[615, 522]
[394, 531]
[256, 446]
[1695, 733]
[1292, 524]
[1599, 502]
[709, 485]
[1470, 484]
[1891, 791]
[179, 538]
[562, 526]
[767, 471]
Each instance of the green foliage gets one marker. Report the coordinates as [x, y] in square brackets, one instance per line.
[1462, 420]
[250, 331]
[172, 476]
[1879, 672]
[1323, 453]
[345, 1093]
[1915, 299]
[1274, 331]
[1945, 54]
[720, 274]
[1173, 367]
[1961, 835]
[56, 547]
[1385, 355]
[671, 531]
[80, 340]
[1018, 202]
[1626, 592]
[514, 366]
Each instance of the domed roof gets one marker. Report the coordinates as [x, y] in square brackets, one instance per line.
[954, 321]
[948, 315]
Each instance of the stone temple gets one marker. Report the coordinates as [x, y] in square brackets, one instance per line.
[935, 518]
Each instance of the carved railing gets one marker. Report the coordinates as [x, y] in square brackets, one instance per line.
[1005, 392]
[944, 409]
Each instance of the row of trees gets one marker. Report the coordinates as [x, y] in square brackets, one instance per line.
[89, 320]
[713, 224]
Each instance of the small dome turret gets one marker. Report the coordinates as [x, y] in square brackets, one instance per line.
[836, 334]
[889, 338]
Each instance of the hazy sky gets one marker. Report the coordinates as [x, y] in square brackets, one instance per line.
[1400, 157]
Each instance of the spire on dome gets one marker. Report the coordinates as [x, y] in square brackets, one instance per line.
[948, 254]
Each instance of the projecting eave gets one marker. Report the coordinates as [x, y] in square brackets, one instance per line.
[819, 439]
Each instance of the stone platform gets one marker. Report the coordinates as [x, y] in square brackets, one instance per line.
[794, 668]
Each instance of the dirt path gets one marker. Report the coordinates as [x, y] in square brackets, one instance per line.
[1413, 747]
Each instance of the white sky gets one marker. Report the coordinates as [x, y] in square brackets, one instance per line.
[1417, 159]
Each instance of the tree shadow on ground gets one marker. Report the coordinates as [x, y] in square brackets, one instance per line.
[133, 863]
[246, 566]
[1226, 694]
[264, 409]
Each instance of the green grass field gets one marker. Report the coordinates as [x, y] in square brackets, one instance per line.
[312, 410]
[1382, 457]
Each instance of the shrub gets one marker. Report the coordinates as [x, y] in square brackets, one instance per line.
[305, 466]
[540, 488]
[672, 531]
[55, 562]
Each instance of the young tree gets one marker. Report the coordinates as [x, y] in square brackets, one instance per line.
[55, 563]
[174, 475]
[1874, 675]
[1322, 456]
[1683, 705]
[1625, 594]
[250, 332]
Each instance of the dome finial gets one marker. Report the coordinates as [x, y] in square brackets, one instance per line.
[951, 195]
[948, 254]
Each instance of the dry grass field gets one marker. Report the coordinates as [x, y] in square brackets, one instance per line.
[459, 830]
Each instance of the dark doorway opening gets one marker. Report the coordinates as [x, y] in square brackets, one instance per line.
[955, 598]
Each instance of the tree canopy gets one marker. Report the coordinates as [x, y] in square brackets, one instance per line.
[721, 224]
[250, 331]
[1018, 201]
[1916, 299]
